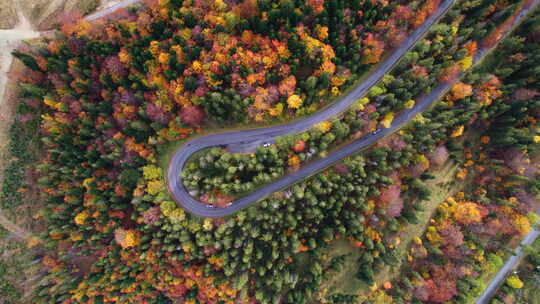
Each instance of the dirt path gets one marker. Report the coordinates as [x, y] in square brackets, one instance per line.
[14, 229]
[24, 30]
[8, 40]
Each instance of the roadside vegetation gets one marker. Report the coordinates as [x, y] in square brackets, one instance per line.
[22, 153]
[521, 287]
[447, 51]
[472, 233]
[107, 95]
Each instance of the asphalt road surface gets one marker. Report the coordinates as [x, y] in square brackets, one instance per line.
[513, 261]
[110, 10]
[510, 264]
[185, 200]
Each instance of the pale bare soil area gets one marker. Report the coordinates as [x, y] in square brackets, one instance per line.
[8, 14]
[44, 14]
[9, 39]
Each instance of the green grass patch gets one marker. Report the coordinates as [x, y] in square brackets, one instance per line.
[22, 153]
[14, 266]
[529, 294]
[346, 282]
[8, 292]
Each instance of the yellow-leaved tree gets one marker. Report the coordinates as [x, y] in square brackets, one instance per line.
[294, 101]
[387, 120]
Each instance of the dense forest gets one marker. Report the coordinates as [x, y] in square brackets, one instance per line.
[449, 49]
[103, 101]
[470, 234]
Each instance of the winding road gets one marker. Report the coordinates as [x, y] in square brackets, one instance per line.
[259, 136]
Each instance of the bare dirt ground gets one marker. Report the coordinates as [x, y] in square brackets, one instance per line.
[8, 15]
[43, 13]
[8, 41]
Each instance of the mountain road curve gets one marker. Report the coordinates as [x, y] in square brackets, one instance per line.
[181, 195]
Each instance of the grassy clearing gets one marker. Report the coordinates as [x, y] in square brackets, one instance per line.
[19, 199]
[532, 293]
[19, 153]
[20, 271]
[10, 270]
[441, 190]
[346, 282]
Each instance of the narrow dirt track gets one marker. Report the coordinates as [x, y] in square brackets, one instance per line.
[13, 228]
[8, 41]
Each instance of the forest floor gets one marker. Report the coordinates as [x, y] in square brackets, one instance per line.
[345, 282]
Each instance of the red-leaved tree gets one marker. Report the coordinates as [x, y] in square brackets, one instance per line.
[192, 115]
